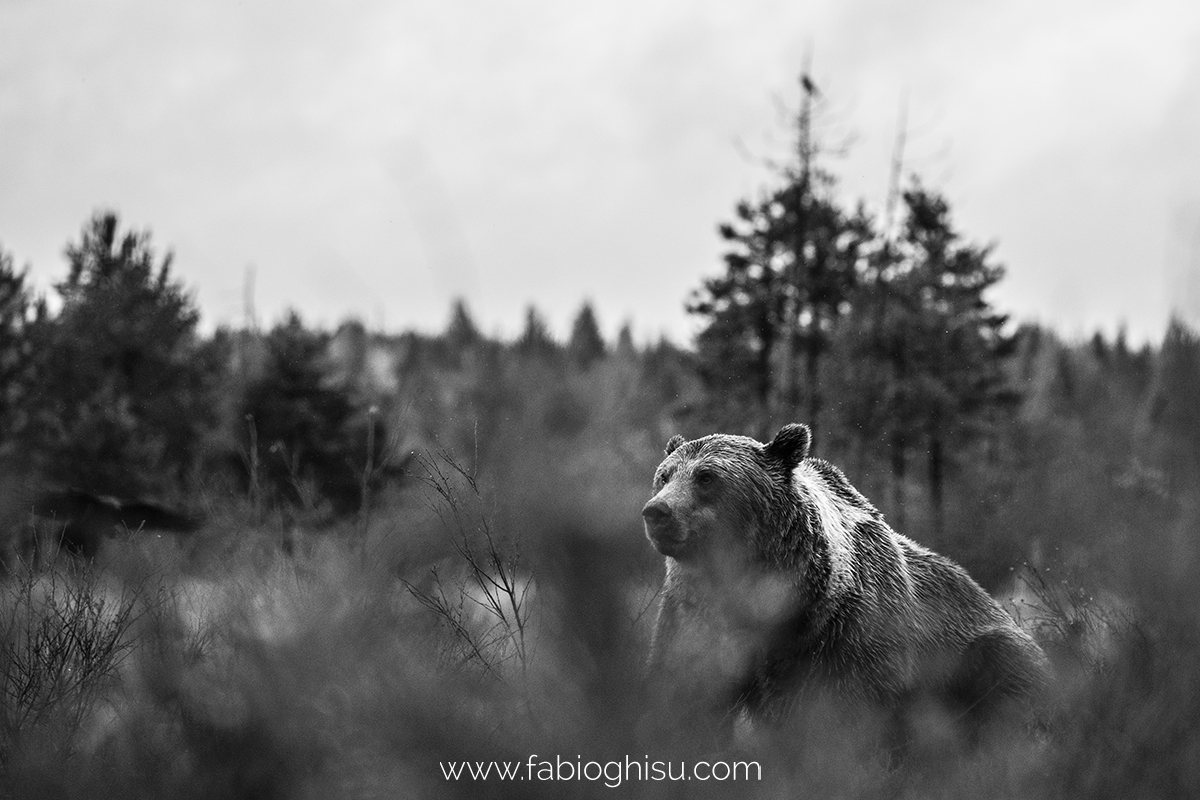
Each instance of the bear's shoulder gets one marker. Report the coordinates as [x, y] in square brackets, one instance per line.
[818, 475]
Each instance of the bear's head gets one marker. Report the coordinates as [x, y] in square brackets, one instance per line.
[723, 494]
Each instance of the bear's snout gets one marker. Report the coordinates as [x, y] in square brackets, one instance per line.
[663, 528]
[656, 512]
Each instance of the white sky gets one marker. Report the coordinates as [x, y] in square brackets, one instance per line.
[377, 158]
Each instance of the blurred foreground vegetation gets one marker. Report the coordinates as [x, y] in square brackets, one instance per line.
[420, 548]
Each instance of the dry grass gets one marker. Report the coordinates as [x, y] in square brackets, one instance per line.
[353, 660]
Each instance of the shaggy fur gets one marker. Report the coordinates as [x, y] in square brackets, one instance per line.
[781, 576]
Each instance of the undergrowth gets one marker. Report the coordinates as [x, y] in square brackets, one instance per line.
[357, 659]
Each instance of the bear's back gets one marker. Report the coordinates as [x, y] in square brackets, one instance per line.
[904, 619]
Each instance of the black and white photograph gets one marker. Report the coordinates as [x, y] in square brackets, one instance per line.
[527, 399]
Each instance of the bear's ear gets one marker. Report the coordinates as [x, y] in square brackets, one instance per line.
[673, 444]
[790, 445]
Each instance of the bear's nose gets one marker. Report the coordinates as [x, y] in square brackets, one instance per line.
[656, 511]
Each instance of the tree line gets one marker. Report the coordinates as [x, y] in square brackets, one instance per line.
[109, 387]
[112, 389]
[877, 330]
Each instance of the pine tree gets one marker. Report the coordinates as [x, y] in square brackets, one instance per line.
[1175, 411]
[535, 340]
[462, 332]
[937, 339]
[586, 345]
[20, 319]
[124, 380]
[769, 320]
[312, 438]
[788, 280]
[625, 348]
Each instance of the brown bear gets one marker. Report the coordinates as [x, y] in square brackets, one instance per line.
[781, 576]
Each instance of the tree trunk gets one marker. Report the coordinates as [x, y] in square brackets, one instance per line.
[899, 449]
[937, 466]
[814, 374]
[765, 376]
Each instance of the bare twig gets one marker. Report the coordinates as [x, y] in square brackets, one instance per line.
[492, 582]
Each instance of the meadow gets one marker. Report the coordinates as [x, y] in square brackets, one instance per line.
[490, 596]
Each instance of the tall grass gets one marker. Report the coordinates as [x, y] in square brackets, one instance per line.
[456, 626]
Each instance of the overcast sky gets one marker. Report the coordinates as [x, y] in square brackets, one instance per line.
[376, 159]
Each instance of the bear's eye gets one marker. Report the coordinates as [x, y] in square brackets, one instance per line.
[704, 478]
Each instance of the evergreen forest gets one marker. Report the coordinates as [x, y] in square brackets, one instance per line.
[285, 561]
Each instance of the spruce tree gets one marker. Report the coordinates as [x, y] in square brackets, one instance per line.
[124, 380]
[937, 340]
[586, 345]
